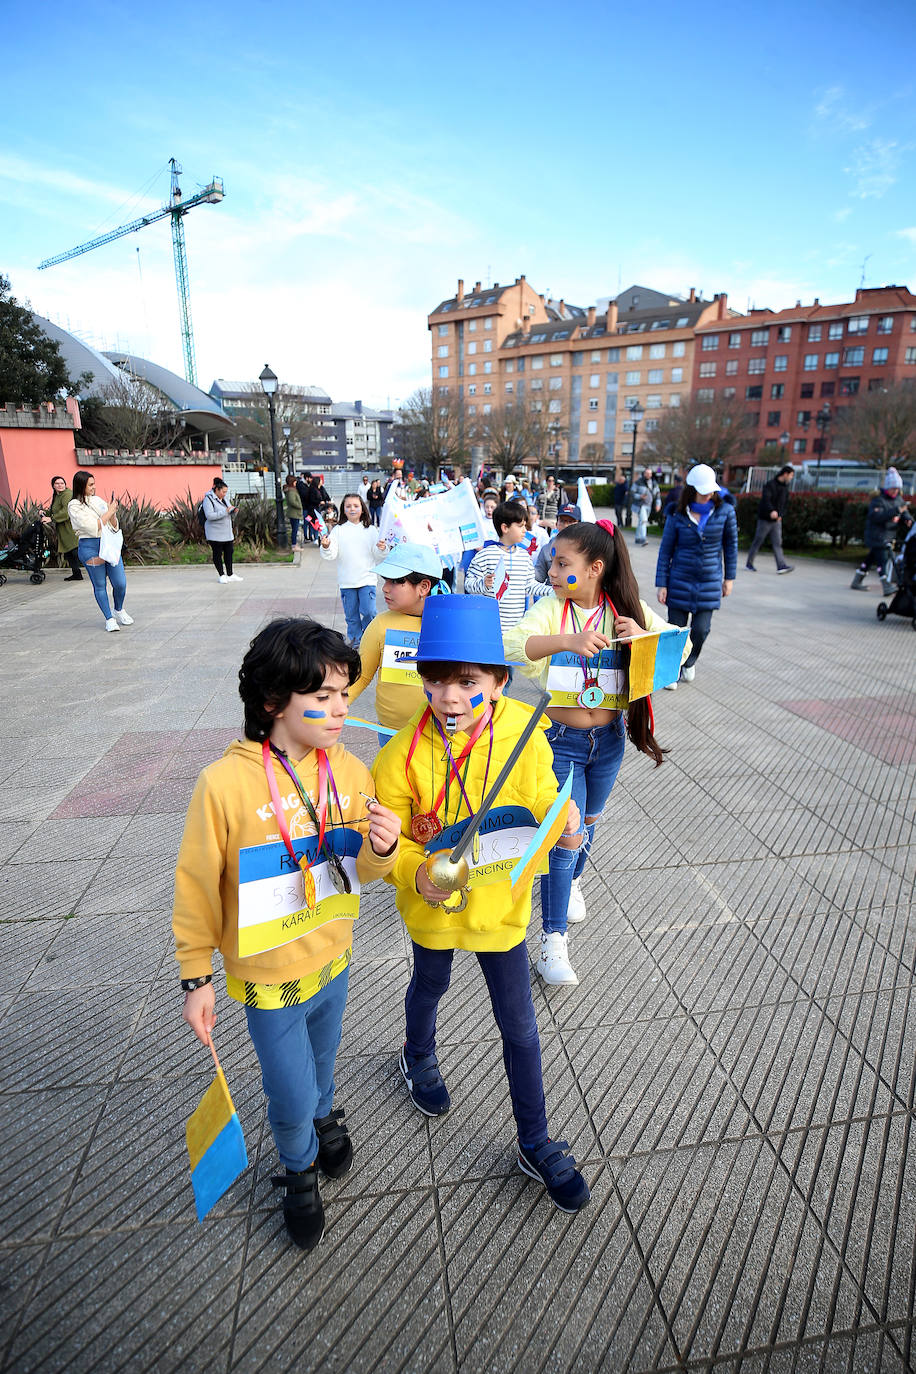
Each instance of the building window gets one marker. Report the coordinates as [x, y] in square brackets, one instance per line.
[783, 333]
[731, 368]
[803, 417]
[777, 391]
[835, 331]
[555, 384]
[812, 362]
[780, 362]
[910, 354]
[442, 351]
[807, 391]
[508, 386]
[828, 388]
[472, 348]
[710, 341]
[849, 386]
[876, 383]
[885, 324]
[613, 356]
[472, 325]
[472, 410]
[594, 379]
[753, 418]
[633, 378]
[853, 357]
[753, 393]
[678, 350]
[592, 427]
[443, 371]
[729, 393]
[657, 376]
[472, 389]
[705, 393]
[656, 350]
[556, 360]
[756, 365]
[707, 369]
[674, 400]
[734, 340]
[536, 384]
[857, 324]
[814, 333]
[879, 356]
[443, 331]
[677, 374]
[773, 418]
[555, 407]
[488, 324]
[488, 345]
[487, 408]
[488, 367]
[595, 356]
[472, 369]
[537, 407]
[831, 359]
[593, 403]
[800, 446]
[653, 402]
[509, 365]
[537, 362]
[634, 353]
[488, 388]
[759, 338]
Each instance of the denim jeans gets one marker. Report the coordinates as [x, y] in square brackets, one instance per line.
[642, 522]
[772, 530]
[293, 530]
[700, 625]
[359, 609]
[102, 573]
[297, 1048]
[509, 984]
[596, 756]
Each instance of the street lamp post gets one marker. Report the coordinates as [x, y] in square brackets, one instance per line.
[822, 420]
[287, 431]
[784, 440]
[268, 382]
[636, 414]
[555, 435]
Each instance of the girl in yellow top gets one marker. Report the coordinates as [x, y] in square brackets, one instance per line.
[410, 573]
[434, 773]
[595, 598]
[278, 838]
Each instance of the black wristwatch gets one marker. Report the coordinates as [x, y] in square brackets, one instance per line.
[192, 984]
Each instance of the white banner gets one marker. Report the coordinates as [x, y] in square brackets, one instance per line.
[584, 502]
[450, 522]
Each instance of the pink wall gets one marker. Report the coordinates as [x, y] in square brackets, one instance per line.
[29, 458]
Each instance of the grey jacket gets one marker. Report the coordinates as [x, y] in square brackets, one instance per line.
[218, 521]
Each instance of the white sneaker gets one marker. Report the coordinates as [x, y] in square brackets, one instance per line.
[111, 624]
[223, 577]
[234, 577]
[123, 618]
[688, 674]
[553, 964]
[576, 910]
[670, 686]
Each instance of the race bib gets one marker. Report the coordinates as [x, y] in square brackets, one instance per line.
[398, 644]
[272, 910]
[565, 679]
[500, 843]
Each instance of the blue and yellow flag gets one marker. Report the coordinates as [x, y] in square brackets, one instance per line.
[655, 661]
[216, 1145]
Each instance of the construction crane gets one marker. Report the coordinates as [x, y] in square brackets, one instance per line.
[176, 209]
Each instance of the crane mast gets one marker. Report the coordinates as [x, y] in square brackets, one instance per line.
[176, 210]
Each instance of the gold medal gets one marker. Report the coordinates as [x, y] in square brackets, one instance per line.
[308, 886]
[425, 827]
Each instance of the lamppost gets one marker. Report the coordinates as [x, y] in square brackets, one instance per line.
[636, 414]
[822, 420]
[268, 382]
[784, 440]
[555, 449]
[287, 431]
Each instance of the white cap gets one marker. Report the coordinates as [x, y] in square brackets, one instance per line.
[703, 480]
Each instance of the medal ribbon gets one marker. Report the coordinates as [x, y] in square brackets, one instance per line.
[464, 756]
[453, 765]
[319, 824]
[592, 621]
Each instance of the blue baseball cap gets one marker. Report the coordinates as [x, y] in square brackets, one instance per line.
[411, 558]
[461, 629]
[569, 512]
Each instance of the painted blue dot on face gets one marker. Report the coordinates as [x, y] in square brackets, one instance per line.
[313, 715]
[553, 552]
[571, 580]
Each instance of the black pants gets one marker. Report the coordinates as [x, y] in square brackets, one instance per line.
[76, 569]
[700, 625]
[222, 549]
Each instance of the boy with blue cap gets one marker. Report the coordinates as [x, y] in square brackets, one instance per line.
[410, 573]
[434, 775]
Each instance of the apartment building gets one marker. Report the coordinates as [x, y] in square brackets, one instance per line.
[366, 438]
[509, 346]
[786, 366]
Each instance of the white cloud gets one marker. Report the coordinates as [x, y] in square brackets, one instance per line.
[909, 234]
[874, 167]
[833, 110]
[841, 215]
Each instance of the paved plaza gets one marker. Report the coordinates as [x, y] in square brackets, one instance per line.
[735, 1072]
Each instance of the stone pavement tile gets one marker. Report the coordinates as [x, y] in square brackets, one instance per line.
[371, 1297]
[830, 954]
[626, 838]
[654, 1086]
[796, 830]
[139, 883]
[14, 752]
[13, 835]
[881, 1027]
[374, 1018]
[738, 1260]
[854, 879]
[26, 943]
[850, 1352]
[136, 1171]
[761, 888]
[866, 825]
[44, 890]
[756, 792]
[892, 927]
[56, 1039]
[22, 1264]
[161, 1045]
[147, 837]
[619, 982]
[44, 1134]
[721, 964]
[534, 1289]
[134, 1299]
[86, 838]
[379, 932]
[20, 799]
[791, 1067]
[169, 796]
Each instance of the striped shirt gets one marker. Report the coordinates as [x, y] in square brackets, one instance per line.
[522, 586]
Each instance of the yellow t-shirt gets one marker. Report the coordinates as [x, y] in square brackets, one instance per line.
[399, 690]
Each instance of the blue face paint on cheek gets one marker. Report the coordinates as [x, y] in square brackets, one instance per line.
[571, 580]
[313, 715]
[428, 694]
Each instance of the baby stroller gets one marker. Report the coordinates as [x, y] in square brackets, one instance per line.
[28, 553]
[903, 601]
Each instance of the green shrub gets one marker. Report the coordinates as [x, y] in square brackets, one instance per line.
[15, 518]
[142, 527]
[255, 522]
[182, 515]
[838, 515]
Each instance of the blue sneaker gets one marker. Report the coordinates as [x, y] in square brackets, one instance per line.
[424, 1083]
[553, 1165]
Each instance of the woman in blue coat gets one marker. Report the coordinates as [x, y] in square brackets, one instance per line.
[697, 559]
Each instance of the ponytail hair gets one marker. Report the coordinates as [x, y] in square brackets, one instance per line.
[604, 542]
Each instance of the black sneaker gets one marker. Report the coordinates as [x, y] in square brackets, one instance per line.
[786, 567]
[424, 1083]
[302, 1209]
[553, 1165]
[335, 1149]
[750, 567]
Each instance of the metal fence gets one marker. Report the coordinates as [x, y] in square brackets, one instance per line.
[849, 477]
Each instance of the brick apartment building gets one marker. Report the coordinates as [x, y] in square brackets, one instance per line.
[508, 345]
[343, 433]
[787, 365]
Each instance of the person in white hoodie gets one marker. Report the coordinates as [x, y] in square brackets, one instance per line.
[353, 544]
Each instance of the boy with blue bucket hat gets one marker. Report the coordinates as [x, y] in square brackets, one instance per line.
[434, 775]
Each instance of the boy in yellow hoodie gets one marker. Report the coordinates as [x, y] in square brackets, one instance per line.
[278, 838]
[434, 775]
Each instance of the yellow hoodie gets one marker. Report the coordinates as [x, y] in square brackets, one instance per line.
[399, 689]
[495, 918]
[231, 811]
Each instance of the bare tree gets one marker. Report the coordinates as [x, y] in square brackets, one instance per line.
[699, 432]
[292, 411]
[510, 435]
[880, 427]
[128, 413]
[594, 453]
[437, 430]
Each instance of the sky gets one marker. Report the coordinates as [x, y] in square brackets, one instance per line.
[373, 154]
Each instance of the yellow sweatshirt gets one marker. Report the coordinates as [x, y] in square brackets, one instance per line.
[399, 690]
[231, 811]
[495, 918]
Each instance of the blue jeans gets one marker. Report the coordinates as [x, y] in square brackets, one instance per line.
[509, 984]
[700, 625]
[297, 1048]
[359, 608]
[102, 573]
[596, 756]
[293, 530]
[642, 522]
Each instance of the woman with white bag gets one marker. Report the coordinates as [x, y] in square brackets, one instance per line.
[99, 548]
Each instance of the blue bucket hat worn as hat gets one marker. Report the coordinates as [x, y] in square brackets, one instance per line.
[461, 629]
[411, 558]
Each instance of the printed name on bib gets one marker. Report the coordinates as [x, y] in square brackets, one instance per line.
[501, 841]
[271, 910]
[565, 679]
[398, 645]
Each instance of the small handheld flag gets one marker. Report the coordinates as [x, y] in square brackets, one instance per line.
[655, 660]
[216, 1146]
[545, 837]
